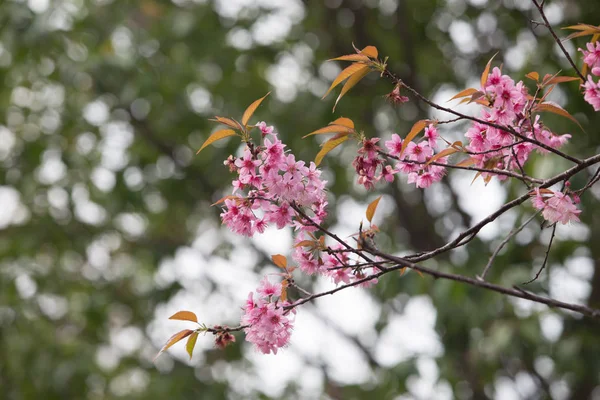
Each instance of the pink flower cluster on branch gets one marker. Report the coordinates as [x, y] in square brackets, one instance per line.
[507, 104]
[591, 87]
[269, 323]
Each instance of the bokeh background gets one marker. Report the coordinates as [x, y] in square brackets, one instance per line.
[106, 227]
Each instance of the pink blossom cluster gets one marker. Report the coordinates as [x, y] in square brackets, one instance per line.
[336, 265]
[371, 168]
[591, 57]
[556, 206]
[269, 324]
[493, 147]
[415, 158]
[274, 181]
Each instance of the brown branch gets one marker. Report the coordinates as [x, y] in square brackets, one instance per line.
[509, 129]
[511, 174]
[540, 7]
[503, 243]
[514, 292]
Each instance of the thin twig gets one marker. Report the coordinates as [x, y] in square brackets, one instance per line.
[540, 7]
[503, 243]
[511, 174]
[545, 258]
[514, 292]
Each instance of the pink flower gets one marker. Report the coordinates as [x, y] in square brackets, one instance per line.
[268, 289]
[556, 206]
[266, 130]
[395, 145]
[431, 134]
[419, 152]
[592, 93]
[592, 56]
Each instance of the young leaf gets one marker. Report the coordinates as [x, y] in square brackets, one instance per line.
[370, 51]
[443, 153]
[555, 109]
[372, 208]
[561, 79]
[305, 243]
[347, 122]
[218, 135]
[587, 32]
[581, 27]
[222, 199]
[228, 121]
[463, 93]
[279, 260]
[331, 129]
[251, 108]
[352, 81]
[486, 71]
[466, 163]
[191, 343]
[174, 339]
[351, 57]
[185, 316]
[345, 74]
[328, 146]
[284, 286]
[415, 130]
[533, 76]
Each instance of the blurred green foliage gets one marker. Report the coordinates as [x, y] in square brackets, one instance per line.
[102, 107]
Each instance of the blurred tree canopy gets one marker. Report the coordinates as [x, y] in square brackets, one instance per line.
[106, 226]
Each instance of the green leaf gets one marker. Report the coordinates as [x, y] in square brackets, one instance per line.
[191, 343]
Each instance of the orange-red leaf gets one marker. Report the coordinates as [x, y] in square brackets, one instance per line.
[174, 339]
[352, 81]
[581, 27]
[185, 316]
[370, 51]
[191, 343]
[284, 286]
[464, 93]
[486, 71]
[328, 146]
[345, 74]
[416, 129]
[561, 79]
[218, 135]
[251, 108]
[228, 121]
[555, 109]
[279, 260]
[305, 243]
[443, 153]
[351, 57]
[331, 129]
[372, 208]
[222, 199]
[466, 163]
[533, 76]
[347, 122]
